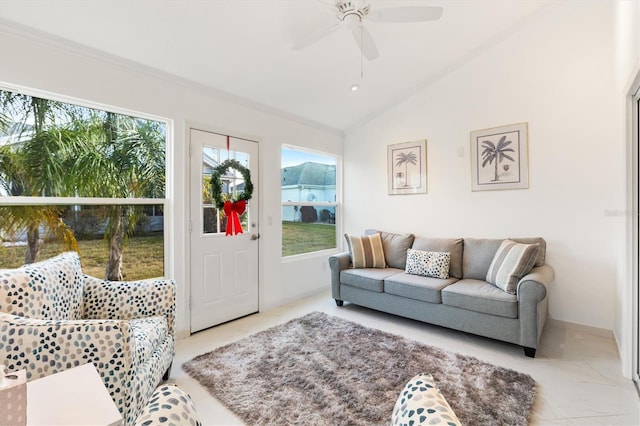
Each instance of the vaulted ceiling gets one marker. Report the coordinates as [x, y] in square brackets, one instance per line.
[244, 47]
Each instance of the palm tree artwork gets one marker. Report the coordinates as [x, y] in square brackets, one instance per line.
[405, 158]
[496, 153]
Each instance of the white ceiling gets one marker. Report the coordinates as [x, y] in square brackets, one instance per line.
[243, 47]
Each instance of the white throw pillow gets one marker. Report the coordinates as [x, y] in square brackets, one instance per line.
[433, 264]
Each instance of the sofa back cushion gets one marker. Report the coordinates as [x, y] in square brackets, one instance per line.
[395, 247]
[51, 289]
[479, 253]
[450, 245]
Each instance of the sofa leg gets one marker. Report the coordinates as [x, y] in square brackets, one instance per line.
[530, 352]
[339, 302]
[166, 373]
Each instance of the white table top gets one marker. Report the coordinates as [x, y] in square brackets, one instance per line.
[76, 396]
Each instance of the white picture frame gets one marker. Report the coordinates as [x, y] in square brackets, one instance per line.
[500, 158]
[407, 167]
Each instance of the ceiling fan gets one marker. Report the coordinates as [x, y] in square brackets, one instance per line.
[351, 15]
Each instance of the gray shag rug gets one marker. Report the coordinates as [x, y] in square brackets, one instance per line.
[324, 370]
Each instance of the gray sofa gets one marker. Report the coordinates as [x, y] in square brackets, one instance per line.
[464, 301]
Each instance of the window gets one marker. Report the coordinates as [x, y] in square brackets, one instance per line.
[80, 178]
[309, 201]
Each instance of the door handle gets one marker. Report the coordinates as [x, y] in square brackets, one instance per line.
[255, 236]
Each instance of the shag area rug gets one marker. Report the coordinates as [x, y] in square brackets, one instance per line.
[324, 370]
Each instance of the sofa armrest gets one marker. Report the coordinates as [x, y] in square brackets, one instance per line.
[337, 263]
[125, 300]
[534, 285]
[46, 347]
[533, 305]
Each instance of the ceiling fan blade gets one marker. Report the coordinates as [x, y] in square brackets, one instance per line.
[365, 42]
[315, 36]
[406, 14]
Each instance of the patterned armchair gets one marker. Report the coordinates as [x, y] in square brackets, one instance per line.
[54, 317]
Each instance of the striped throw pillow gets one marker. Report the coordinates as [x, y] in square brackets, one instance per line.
[511, 262]
[366, 251]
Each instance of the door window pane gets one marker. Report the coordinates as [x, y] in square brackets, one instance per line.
[232, 184]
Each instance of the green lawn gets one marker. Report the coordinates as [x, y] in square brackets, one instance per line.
[143, 257]
[300, 238]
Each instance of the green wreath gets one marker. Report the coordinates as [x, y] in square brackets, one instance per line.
[216, 182]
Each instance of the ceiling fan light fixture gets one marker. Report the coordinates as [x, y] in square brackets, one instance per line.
[352, 20]
[354, 87]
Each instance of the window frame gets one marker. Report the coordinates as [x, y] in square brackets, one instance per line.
[166, 202]
[337, 205]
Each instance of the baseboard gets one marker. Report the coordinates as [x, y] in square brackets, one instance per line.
[285, 301]
[587, 329]
[182, 334]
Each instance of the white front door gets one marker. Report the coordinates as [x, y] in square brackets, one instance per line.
[224, 268]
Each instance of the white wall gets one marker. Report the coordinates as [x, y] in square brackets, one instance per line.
[557, 74]
[48, 65]
[627, 77]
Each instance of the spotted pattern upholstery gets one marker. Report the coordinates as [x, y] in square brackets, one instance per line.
[171, 406]
[54, 317]
[421, 403]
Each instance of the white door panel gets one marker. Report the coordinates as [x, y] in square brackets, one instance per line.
[224, 269]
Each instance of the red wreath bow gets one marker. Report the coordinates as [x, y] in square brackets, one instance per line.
[233, 212]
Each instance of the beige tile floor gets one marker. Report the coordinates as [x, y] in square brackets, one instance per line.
[577, 374]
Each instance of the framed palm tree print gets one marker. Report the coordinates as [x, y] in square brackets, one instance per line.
[407, 167]
[500, 158]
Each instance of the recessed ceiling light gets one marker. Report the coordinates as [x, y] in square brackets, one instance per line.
[355, 87]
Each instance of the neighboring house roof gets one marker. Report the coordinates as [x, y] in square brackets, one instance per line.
[309, 173]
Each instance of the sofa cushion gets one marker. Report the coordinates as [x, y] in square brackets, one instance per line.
[542, 250]
[478, 254]
[366, 251]
[421, 403]
[451, 245]
[480, 296]
[510, 263]
[433, 264]
[417, 287]
[367, 278]
[395, 247]
[148, 334]
[50, 289]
